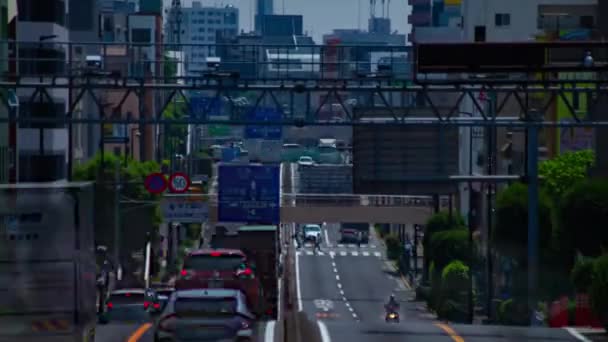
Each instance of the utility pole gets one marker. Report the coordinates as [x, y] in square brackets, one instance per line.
[117, 240]
[490, 210]
[533, 235]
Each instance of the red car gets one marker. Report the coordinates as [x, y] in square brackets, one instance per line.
[219, 268]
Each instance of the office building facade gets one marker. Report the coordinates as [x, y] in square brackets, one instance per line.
[198, 30]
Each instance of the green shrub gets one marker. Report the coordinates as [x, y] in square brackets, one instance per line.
[440, 222]
[449, 245]
[582, 274]
[598, 291]
[510, 235]
[453, 302]
[394, 248]
[455, 277]
[513, 312]
[194, 231]
[435, 280]
[583, 218]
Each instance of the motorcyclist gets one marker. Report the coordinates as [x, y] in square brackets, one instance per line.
[392, 304]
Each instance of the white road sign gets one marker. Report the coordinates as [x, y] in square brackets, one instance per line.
[179, 182]
[176, 209]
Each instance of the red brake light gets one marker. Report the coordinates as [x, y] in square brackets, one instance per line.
[247, 271]
[184, 273]
[146, 304]
[166, 324]
[216, 254]
[109, 305]
[127, 295]
[156, 305]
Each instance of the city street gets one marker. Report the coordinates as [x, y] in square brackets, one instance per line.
[345, 288]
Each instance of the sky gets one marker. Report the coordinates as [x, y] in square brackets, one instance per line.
[320, 16]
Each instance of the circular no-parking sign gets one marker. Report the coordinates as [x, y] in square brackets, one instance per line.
[155, 183]
[179, 182]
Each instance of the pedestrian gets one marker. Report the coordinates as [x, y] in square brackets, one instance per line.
[296, 237]
[359, 238]
[317, 242]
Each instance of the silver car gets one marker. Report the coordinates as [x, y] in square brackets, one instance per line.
[205, 315]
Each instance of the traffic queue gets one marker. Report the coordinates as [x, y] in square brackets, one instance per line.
[219, 294]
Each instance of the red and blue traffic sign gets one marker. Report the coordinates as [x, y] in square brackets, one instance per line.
[156, 183]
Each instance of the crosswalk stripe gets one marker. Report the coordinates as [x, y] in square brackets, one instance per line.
[320, 253]
[332, 254]
[340, 245]
[377, 254]
[298, 253]
[308, 253]
[342, 253]
[354, 253]
[365, 253]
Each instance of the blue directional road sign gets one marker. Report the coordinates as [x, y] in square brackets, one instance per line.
[230, 153]
[249, 193]
[263, 115]
[201, 105]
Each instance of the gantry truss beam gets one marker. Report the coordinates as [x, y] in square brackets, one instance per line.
[518, 98]
[366, 84]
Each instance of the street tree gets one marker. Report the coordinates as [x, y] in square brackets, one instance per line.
[560, 173]
[583, 218]
[137, 209]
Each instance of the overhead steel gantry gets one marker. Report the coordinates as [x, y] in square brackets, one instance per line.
[527, 76]
[331, 75]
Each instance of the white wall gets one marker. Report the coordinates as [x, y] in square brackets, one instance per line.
[524, 15]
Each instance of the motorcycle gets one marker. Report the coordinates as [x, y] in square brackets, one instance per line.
[392, 316]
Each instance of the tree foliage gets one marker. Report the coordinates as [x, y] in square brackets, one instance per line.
[582, 274]
[583, 218]
[136, 218]
[599, 288]
[176, 134]
[438, 222]
[565, 170]
[449, 245]
[510, 233]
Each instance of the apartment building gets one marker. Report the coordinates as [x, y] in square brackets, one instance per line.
[199, 29]
[42, 148]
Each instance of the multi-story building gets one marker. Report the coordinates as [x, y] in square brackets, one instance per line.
[5, 155]
[262, 8]
[516, 21]
[199, 27]
[42, 147]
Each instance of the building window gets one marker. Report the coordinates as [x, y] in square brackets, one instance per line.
[119, 130]
[502, 19]
[587, 22]
[480, 33]
[141, 35]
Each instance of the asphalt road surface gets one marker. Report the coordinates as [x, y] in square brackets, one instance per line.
[144, 333]
[345, 288]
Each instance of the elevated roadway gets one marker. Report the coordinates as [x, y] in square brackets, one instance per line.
[303, 208]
